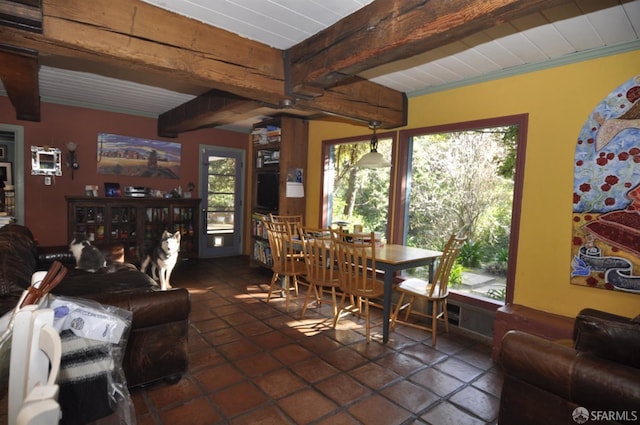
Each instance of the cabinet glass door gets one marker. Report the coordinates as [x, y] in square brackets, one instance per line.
[221, 202]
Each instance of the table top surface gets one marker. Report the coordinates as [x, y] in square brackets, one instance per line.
[398, 254]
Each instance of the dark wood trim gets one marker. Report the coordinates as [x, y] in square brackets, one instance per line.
[386, 31]
[326, 145]
[19, 75]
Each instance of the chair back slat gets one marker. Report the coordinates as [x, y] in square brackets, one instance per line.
[319, 255]
[440, 285]
[356, 259]
[284, 250]
[294, 222]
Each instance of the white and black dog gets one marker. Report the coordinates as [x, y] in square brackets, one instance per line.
[163, 259]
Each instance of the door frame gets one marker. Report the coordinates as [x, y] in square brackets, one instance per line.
[18, 168]
[240, 155]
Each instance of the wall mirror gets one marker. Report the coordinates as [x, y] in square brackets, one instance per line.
[45, 161]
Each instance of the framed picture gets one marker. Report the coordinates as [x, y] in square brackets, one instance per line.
[3, 152]
[6, 172]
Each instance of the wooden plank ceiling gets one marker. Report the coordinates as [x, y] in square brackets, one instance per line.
[334, 72]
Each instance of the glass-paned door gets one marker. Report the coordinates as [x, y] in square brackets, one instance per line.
[222, 201]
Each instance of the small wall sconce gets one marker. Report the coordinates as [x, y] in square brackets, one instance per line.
[73, 159]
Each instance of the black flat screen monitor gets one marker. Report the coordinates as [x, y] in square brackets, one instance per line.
[268, 191]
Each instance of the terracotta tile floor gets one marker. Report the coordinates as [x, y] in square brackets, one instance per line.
[253, 363]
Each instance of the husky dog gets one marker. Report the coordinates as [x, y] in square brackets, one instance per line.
[88, 257]
[163, 259]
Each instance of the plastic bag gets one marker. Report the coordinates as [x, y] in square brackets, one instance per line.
[92, 381]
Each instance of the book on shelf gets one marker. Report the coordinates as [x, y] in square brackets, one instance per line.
[267, 134]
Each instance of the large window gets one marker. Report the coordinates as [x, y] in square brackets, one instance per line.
[446, 177]
[354, 195]
[466, 176]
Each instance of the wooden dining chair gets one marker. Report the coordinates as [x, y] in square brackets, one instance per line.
[356, 259]
[322, 272]
[293, 221]
[435, 293]
[288, 262]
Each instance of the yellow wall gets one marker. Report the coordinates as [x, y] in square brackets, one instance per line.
[558, 101]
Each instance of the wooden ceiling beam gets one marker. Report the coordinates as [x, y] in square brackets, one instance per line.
[390, 30]
[23, 14]
[144, 39]
[212, 109]
[19, 74]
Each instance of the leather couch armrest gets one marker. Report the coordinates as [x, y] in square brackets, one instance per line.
[608, 336]
[538, 361]
[580, 378]
[151, 308]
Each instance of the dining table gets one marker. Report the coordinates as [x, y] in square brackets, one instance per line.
[394, 258]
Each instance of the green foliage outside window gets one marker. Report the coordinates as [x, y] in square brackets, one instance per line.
[457, 179]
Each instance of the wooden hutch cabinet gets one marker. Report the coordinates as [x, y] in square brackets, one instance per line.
[279, 159]
[134, 222]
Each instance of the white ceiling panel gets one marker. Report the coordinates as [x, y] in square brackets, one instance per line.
[477, 61]
[521, 47]
[549, 40]
[579, 33]
[632, 10]
[499, 54]
[70, 87]
[277, 23]
[457, 67]
[612, 25]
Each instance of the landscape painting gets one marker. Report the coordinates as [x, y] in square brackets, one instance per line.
[132, 156]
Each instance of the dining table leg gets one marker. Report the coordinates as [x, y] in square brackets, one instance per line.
[386, 304]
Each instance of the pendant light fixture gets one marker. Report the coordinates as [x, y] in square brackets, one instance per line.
[373, 159]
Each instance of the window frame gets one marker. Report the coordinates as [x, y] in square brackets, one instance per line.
[366, 138]
[401, 200]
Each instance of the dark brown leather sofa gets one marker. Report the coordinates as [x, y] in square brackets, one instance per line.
[545, 381]
[157, 345]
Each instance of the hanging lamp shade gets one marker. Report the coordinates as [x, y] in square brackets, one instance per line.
[373, 159]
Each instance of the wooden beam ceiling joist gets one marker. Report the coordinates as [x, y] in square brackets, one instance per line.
[19, 74]
[390, 30]
[146, 39]
[26, 15]
[319, 75]
[212, 109]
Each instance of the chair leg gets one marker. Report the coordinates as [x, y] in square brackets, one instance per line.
[445, 315]
[312, 287]
[285, 287]
[295, 284]
[366, 318]
[340, 307]
[334, 299]
[434, 323]
[396, 311]
[274, 279]
[409, 307]
[288, 288]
